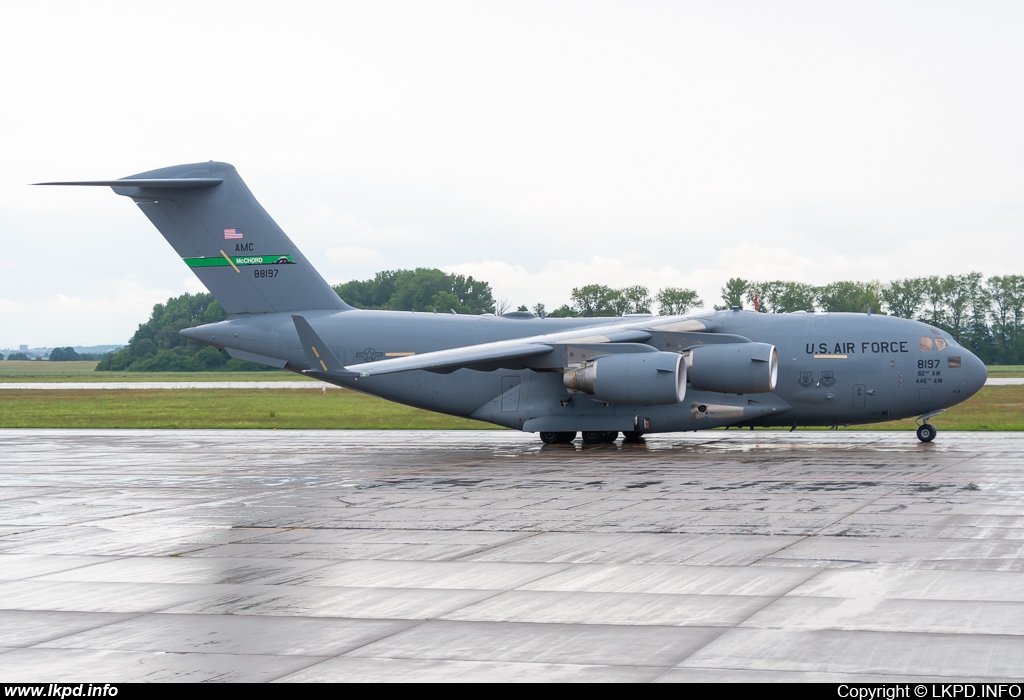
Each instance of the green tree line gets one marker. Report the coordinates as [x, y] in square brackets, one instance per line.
[65, 354]
[602, 300]
[422, 289]
[69, 354]
[157, 347]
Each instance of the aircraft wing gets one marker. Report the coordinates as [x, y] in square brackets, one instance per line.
[503, 350]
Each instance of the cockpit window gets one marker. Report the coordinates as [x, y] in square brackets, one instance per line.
[933, 344]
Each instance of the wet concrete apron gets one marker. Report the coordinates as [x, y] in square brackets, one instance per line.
[308, 555]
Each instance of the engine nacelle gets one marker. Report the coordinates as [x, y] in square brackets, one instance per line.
[645, 378]
[734, 368]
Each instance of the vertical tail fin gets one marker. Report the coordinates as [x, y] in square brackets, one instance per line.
[211, 219]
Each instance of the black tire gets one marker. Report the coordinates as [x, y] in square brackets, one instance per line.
[926, 432]
[599, 437]
[633, 436]
[557, 438]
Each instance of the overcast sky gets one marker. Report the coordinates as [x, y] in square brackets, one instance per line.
[539, 146]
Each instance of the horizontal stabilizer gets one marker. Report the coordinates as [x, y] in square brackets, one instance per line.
[176, 183]
[254, 357]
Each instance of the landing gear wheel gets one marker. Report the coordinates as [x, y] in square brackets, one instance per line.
[633, 436]
[597, 437]
[557, 438]
[926, 432]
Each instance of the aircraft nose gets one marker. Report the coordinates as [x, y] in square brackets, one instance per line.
[975, 373]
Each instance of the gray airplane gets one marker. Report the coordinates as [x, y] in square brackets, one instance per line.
[557, 377]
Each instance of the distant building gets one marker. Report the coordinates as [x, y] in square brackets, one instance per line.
[22, 348]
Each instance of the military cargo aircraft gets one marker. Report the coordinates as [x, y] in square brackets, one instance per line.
[598, 377]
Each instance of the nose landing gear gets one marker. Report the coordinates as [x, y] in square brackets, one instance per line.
[926, 431]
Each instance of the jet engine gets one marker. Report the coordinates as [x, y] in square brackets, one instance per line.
[647, 378]
[734, 368]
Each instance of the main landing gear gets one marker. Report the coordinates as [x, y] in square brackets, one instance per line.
[598, 437]
[590, 437]
[549, 438]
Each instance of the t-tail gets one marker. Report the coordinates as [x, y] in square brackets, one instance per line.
[209, 216]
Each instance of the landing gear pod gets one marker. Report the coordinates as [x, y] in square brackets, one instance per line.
[647, 379]
[734, 368]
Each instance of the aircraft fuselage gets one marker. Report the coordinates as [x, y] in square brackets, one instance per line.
[834, 369]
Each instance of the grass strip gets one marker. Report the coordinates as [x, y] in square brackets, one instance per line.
[85, 371]
[223, 408]
[993, 408]
[1005, 370]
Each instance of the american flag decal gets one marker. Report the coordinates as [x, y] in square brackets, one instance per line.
[231, 234]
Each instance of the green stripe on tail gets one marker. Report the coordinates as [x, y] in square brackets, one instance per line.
[221, 261]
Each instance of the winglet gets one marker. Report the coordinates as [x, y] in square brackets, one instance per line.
[321, 359]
